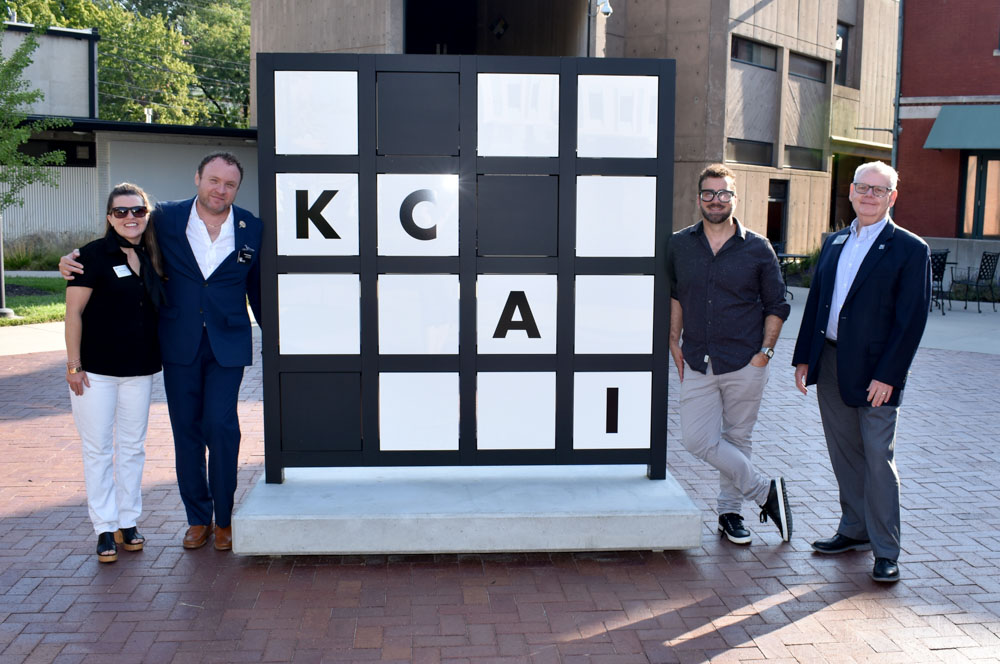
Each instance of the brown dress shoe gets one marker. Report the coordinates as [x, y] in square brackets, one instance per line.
[223, 538]
[196, 536]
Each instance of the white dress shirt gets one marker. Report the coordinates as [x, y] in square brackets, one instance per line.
[210, 254]
[859, 242]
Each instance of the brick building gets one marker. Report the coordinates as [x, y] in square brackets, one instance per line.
[948, 151]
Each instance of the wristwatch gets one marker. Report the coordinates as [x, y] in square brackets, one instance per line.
[767, 351]
[74, 370]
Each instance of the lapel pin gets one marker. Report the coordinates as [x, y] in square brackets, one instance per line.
[880, 247]
[243, 224]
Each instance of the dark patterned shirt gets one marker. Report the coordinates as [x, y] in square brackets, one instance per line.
[724, 297]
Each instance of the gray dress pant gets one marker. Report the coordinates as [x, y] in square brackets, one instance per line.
[718, 413]
[861, 442]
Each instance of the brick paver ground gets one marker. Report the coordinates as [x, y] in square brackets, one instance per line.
[770, 601]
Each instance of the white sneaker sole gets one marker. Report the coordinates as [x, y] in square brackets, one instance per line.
[786, 523]
[733, 538]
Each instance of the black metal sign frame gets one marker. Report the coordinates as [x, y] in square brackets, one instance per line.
[333, 400]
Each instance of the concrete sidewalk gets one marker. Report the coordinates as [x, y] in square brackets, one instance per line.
[958, 329]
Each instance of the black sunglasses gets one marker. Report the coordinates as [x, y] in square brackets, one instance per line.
[138, 211]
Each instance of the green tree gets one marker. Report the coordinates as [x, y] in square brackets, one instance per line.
[219, 35]
[142, 61]
[142, 64]
[17, 169]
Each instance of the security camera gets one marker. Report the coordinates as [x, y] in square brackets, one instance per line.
[605, 7]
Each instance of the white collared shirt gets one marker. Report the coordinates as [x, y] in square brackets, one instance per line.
[210, 254]
[859, 242]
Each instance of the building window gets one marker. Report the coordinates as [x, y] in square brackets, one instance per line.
[77, 153]
[754, 53]
[806, 67]
[981, 207]
[809, 159]
[749, 152]
[840, 68]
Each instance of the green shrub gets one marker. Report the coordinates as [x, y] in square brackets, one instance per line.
[41, 251]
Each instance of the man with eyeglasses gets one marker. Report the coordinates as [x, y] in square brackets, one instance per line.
[862, 323]
[726, 310]
[211, 251]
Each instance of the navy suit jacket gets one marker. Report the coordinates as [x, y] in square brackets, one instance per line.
[882, 319]
[217, 304]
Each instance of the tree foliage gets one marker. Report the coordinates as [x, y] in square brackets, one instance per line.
[187, 61]
[18, 170]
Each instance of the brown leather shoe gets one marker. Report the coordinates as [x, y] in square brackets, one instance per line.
[223, 538]
[197, 536]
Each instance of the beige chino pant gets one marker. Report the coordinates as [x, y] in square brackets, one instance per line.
[718, 413]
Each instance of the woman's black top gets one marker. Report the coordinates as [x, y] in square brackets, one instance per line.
[119, 322]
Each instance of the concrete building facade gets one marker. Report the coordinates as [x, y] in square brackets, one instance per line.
[949, 116]
[793, 94]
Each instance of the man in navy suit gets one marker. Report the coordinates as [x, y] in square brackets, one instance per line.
[861, 327]
[211, 251]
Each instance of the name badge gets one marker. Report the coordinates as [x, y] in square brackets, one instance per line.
[123, 271]
[244, 255]
[840, 239]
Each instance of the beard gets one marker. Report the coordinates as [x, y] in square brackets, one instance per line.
[717, 216]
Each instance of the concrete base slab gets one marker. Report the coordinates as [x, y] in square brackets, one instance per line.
[465, 510]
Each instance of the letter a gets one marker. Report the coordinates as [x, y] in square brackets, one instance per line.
[517, 300]
[304, 214]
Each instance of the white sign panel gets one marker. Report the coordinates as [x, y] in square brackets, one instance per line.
[418, 411]
[516, 411]
[614, 314]
[417, 215]
[617, 116]
[611, 409]
[418, 314]
[615, 216]
[516, 313]
[317, 214]
[518, 115]
[319, 314]
[316, 112]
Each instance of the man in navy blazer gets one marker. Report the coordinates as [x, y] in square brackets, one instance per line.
[862, 323]
[211, 256]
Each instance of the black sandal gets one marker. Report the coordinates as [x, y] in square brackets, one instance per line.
[105, 543]
[130, 539]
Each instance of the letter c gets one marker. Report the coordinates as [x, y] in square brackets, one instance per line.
[406, 214]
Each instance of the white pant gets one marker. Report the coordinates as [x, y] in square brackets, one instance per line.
[111, 416]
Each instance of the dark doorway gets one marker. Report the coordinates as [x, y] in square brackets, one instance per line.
[441, 27]
[777, 210]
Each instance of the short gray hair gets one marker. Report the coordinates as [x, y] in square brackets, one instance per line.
[881, 168]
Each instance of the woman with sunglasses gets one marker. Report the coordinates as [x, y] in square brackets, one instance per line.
[112, 353]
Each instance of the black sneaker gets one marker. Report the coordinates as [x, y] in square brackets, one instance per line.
[731, 525]
[776, 508]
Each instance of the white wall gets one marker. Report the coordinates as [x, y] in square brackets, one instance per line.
[165, 165]
[60, 70]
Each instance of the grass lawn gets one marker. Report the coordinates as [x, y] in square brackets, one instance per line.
[44, 302]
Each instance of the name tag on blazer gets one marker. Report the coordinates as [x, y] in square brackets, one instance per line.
[840, 239]
[122, 271]
[244, 255]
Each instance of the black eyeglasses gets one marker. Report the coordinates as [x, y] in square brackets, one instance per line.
[138, 211]
[724, 195]
[877, 191]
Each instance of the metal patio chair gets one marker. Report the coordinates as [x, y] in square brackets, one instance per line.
[939, 261]
[984, 276]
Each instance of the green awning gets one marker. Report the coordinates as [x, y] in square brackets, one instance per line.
[972, 127]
